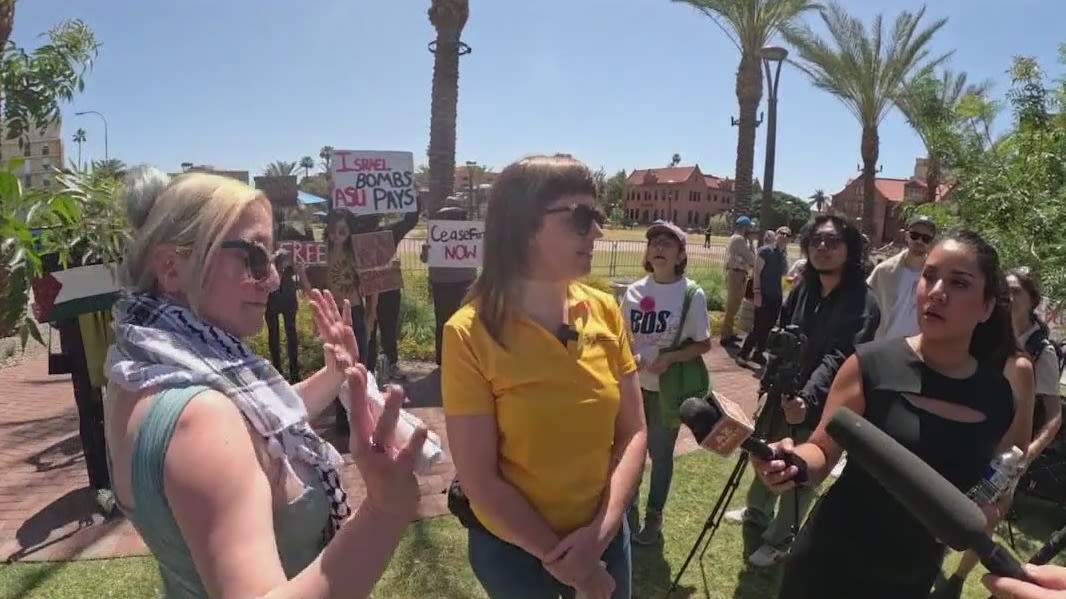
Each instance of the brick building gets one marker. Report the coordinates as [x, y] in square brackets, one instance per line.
[681, 194]
[889, 196]
[42, 151]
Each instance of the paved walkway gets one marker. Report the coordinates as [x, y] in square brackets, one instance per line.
[47, 511]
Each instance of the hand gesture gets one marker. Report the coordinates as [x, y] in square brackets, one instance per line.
[1050, 584]
[598, 585]
[777, 475]
[335, 329]
[660, 364]
[795, 410]
[387, 470]
[572, 559]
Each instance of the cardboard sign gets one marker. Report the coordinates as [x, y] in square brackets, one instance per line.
[455, 243]
[281, 191]
[373, 250]
[304, 252]
[368, 182]
[379, 280]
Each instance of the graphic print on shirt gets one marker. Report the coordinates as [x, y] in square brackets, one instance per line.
[646, 321]
[653, 314]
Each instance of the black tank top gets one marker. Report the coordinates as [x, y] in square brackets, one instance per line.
[860, 542]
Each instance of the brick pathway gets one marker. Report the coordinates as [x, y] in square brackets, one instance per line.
[48, 513]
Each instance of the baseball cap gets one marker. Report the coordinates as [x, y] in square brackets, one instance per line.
[744, 221]
[923, 221]
[659, 227]
[784, 231]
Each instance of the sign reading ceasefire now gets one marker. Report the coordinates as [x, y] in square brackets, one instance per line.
[311, 253]
[455, 243]
[369, 182]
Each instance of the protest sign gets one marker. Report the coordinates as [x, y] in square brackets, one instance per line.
[455, 243]
[380, 280]
[304, 252]
[370, 182]
[373, 250]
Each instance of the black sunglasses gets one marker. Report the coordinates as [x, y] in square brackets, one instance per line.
[918, 236]
[831, 241]
[256, 257]
[581, 217]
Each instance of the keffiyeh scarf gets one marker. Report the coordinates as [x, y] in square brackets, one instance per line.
[161, 344]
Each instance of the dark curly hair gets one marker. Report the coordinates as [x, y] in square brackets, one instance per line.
[853, 264]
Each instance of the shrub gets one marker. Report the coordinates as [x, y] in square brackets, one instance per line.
[713, 284]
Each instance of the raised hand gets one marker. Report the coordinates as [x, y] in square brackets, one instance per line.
[387, 469]
[334, 327]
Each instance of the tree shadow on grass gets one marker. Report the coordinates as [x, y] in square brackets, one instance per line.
[652, 575]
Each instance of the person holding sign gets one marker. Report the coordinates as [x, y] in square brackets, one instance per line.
[343, 280]
[282, 303]
[213, 457]
[540, 391]
[448, 285]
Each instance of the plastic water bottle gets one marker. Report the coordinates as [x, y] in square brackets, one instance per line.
[998, 478]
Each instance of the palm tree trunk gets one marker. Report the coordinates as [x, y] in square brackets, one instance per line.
[871, 145]
[932, 179]
[7, 21]
[749, 92]
[79, 155]
[443, 114]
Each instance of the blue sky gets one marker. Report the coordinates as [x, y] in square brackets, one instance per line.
[621, 84]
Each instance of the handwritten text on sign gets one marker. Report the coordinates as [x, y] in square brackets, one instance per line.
[455, 243]
[304, 252]
[373, 182]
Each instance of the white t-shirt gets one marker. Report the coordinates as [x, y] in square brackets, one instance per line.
[653, 314]
[904, 315]
[1046, 368]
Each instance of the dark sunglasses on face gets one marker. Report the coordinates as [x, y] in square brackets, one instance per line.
[831, 240]
[918, 236]
[581, 217]
[257, 259]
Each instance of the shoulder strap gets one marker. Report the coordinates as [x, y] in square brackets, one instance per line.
[690, 290]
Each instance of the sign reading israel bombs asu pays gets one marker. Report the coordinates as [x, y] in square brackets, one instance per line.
[455, 243]
[366, 182]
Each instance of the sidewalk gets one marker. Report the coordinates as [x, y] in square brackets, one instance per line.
[47, 511]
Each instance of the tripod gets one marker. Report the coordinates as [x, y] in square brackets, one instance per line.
[766, 421]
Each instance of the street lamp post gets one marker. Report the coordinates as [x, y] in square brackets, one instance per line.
[770, 55]
[84, 112]
[470, 164]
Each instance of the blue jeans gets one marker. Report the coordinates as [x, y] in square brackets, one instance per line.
[661, 441]
[507, 571]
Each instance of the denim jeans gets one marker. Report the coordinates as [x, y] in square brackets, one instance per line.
[661, 441]
[507, 571]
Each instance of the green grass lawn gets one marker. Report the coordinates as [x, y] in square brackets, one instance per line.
[431, 560]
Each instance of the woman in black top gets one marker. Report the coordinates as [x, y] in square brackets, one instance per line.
[943, 395]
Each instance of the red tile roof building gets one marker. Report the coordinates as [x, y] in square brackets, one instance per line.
[681, 194]
[890, 195]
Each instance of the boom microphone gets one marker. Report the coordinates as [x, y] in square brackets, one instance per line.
[944, 510]
[720, 426]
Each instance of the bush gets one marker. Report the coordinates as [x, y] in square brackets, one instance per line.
[713, 284]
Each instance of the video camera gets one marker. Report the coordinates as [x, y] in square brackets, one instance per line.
[781, 376]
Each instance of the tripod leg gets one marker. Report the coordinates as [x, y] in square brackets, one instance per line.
[1055, 544]
[710, 526]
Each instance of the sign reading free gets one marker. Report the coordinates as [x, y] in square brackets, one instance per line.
[455, 243]
[304, 252]
[366, 182]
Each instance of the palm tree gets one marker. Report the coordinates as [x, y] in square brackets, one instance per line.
[819, 200]
[326, 155]
[750, 25]
[675, 159]
[931, 106]
[7, 21]
[866, 71]
[448, 18]
[79, 138]
[112, 168]
[280, 168]
[307, 163]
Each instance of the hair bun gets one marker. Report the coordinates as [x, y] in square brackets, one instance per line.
[142, 187]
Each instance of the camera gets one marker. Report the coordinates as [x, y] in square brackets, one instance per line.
[781, 376]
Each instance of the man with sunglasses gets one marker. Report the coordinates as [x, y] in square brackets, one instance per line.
[894, 281]
[835, 311]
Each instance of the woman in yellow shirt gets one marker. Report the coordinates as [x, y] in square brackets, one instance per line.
[543, 407]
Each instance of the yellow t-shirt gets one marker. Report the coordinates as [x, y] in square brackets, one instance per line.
[555, 405]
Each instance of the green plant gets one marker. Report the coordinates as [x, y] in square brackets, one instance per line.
[713, 284]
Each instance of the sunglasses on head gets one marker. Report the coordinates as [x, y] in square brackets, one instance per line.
[257, 259]
[919, 236]
[581, 217]
[831, 240]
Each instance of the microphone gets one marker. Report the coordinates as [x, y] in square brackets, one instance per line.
[566, 333]
[720, 426]
[943, 509]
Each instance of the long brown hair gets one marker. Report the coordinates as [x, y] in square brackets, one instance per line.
[517, 200]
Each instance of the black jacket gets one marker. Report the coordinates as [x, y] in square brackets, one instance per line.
[834, 325]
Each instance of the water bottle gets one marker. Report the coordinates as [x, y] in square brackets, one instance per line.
[998, 478]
